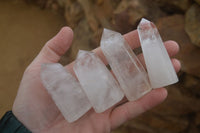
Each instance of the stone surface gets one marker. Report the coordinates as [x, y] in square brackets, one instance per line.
[98, 83]
[73, 8]
[198, 1]
[127, 14]
[174, 5]
[160, 69]
[154, 123]
[128, 70]
[192, 24]
[65, 91]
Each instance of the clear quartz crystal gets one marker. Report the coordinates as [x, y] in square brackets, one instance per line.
[65, 91]
[160, 69]
[125, 65]
[98, 83]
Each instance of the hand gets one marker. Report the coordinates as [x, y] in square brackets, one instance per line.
[34, 107]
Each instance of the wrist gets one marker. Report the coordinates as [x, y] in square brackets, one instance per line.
[9, 123]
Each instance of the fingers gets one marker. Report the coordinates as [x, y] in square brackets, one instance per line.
[172, 49]
[171, 46]
[56, 47]
[132, 38]
[132, 109]
[177, 65]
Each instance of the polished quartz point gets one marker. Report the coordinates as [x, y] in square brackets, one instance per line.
[159, 66]
[128, 70]
[65, 91]
[98, 83]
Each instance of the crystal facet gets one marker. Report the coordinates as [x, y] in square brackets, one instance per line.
[65, 91]
[98, 83]
[160, 69]
[125, 65]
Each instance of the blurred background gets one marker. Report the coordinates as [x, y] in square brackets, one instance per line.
[25, 26]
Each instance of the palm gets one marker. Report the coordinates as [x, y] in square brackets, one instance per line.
[36, 110]
[46, 116]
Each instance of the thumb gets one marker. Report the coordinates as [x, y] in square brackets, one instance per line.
[55, 47]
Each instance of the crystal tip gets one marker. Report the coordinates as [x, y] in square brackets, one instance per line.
[108, 32]
[81, 53]
[84, 52]
[143, 20]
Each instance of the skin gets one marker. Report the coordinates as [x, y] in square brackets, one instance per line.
[34, 107]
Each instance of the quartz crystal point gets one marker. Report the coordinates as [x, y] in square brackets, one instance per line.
[160, 69]
[65, 91]
[98, 83]
[125, 65]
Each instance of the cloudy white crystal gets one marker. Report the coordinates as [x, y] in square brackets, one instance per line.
[160, 69]
[98, 83]
[125, 65]
[65, 91]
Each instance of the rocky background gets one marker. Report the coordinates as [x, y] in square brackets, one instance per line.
[177, 20]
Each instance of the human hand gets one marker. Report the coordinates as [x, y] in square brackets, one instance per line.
[34, 107]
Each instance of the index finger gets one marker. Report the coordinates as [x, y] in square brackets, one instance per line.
[132, 39]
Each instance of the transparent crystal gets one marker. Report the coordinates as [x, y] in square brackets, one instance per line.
[65, 91]
[98, 83]
[125, 65]
[160, 69]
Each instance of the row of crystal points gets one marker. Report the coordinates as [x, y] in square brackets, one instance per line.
[97, 87]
